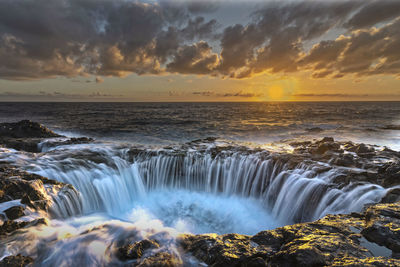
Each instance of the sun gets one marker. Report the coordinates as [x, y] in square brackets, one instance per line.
[276, 92]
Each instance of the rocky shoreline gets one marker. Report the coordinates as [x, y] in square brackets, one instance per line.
[368, 238]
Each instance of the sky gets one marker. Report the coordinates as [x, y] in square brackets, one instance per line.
[125, 50]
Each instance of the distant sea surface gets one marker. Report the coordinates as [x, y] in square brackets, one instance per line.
[257, 123]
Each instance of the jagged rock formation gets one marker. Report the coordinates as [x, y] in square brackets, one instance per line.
[335, 240]
[26, 135]
[367, 238]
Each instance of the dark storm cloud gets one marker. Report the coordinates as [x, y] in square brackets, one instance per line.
[363, 52]
[197, 58]
[44, 38]
[274, 42]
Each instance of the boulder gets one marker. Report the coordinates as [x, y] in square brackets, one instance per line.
[25, 129]
[392, 196]
[24, 135]
[14, 212]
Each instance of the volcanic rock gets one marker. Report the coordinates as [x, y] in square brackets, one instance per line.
[69, 141]
[14, 212]
[161, 259]
[9, 226]
[383, 225]
[136, 250]
[25, 129]
[27, 135]
[333, 240]
[393, 195]
[326, 139]
[16, 261]
[24, 135]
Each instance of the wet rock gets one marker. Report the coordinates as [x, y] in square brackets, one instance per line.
[14, 212]
[226, 250]
[320, 147]
[136, 250]
[326, 146]
[25, 129]
[27, 144]
[390, 173]
[383, 225]
[16, 261]
[16, 184]
[161, 259]
[9, 226]
[360, 149]
[45, 146]
[332, 240]
[17, 188]
[24, 135]
[345, 160]
[303, 143]
[34, 191]
[392, 196]
[299, 256]
[366, 262]
[326, 139]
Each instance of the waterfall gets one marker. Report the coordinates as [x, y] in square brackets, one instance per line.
[289, 194]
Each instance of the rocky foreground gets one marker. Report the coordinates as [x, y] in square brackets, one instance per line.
[368, 238]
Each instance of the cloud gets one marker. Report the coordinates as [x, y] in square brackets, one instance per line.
[194, 59]
[56, 96]
[237, 94]
[240, 94]
[362, 53]
[337, 95]
[118, 38]
[374, 12]
[275, 41]
[204, 93]
[78, 38]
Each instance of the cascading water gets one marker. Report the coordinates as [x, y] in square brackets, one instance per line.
[289, 195]
[148, 192]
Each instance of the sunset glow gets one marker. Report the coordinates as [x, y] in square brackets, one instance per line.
[276, 92]
[199, 50]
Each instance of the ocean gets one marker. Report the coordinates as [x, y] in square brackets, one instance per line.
[376, 123]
